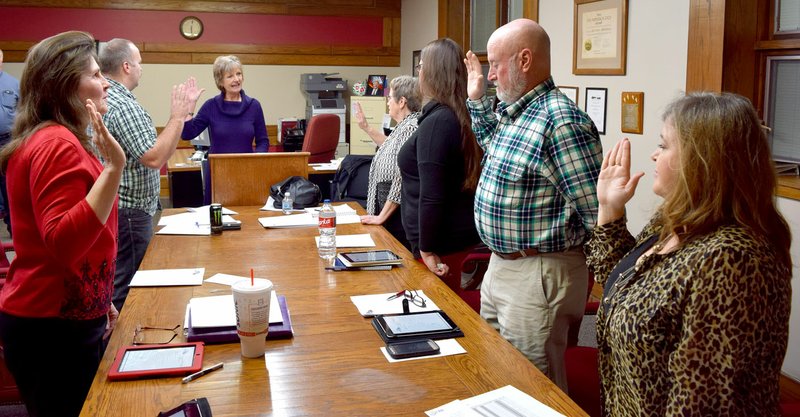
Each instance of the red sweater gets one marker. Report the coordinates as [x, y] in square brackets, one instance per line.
[65, 258]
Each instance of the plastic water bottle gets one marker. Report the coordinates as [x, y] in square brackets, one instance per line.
[327, 232]
[287, 203]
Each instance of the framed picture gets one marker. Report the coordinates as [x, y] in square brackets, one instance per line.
[600, 37]
[416, 56]
[376, 85]
[595, 106]
[571, 92]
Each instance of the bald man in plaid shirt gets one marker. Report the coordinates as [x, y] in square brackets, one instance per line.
[536, 200]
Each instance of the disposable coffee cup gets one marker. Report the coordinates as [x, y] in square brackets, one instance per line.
[251, 301]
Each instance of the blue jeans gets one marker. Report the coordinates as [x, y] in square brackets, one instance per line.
[135, 231]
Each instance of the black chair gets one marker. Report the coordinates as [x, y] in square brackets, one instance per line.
[351, 180]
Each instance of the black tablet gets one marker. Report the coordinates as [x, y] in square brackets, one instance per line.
[371, 257]
[150, 361]
[425, 323]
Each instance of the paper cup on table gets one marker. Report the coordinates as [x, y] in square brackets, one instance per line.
[252, 314]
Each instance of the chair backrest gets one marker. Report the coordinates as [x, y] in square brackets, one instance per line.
[351, 181]
[322, 137]
[243, 179]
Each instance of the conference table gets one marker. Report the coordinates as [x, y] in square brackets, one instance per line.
[333, 365]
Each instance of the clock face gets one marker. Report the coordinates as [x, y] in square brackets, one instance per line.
[191, 27]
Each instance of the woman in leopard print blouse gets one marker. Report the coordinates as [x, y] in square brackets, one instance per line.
[695, 312]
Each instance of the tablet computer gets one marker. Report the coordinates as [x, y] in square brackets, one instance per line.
[412, 325]
[151, 361]
[371, 257]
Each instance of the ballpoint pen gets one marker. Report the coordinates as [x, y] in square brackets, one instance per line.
[398, 295]
[198, 374]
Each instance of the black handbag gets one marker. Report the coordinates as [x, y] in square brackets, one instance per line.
[304, 192]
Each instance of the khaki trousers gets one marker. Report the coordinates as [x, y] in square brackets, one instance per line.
[532, 302]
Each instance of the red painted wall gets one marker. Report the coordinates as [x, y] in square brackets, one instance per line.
[35, 23]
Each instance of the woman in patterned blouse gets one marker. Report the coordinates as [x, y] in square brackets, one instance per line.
[383, 190]
[695, 311]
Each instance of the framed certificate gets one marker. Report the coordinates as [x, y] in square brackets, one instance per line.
[600, 37]
[596, 100]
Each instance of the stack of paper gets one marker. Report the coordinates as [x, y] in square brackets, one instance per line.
[213, 319]
[502, 402]
[167, 277]
[195, 221]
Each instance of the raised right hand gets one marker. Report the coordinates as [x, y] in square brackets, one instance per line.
[359, 114]
[181, 105]
[475, 82]
[615, 184]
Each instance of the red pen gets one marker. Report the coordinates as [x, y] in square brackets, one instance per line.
[398, 295]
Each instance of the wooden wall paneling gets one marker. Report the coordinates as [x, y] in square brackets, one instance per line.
[739, 69]
[283, 7]
[706, 42]
[198, 52]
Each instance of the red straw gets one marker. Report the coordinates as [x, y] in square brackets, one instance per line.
[252, 278]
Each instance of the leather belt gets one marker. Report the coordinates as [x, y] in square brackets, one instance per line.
[518, 254]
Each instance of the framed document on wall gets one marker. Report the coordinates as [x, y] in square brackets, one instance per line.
[600, 37]
[596, 104]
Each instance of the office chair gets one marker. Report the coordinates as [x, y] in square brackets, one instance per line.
[322, 137]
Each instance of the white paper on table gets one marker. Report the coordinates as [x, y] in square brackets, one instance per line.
[292, 220]
[189, 229]
[167, 277]
[502, 402]
[225, 279]
[352, 241]
[374, 304]
[219, 311]
[340, 209]
[447, 347]
[270, 206]
[188, 217]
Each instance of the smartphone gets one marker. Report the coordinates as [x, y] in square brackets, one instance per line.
[197, 407]
[401, 350]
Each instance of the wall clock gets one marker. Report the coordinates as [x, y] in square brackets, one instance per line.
[191, 27]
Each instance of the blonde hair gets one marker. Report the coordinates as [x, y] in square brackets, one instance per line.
[726, 174]
[222, 65]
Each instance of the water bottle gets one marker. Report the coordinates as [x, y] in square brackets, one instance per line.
[286, 204]
[327, 232]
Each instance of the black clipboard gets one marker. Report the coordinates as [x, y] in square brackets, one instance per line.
[379, 323]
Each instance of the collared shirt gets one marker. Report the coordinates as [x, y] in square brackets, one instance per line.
[9, 96]
[538, 183]
[385, 180]
[133, 128]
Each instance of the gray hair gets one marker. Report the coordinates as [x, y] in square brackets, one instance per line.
[113, 54]
[222, 65]
[408, 87]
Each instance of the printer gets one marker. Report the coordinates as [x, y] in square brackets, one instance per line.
[324, 95]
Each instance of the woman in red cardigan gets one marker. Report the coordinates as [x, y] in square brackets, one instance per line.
[55, 308]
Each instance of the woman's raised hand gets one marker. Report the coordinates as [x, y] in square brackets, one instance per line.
[615, 184]
[109, 148]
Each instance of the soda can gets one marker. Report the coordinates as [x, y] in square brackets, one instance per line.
[215, 214]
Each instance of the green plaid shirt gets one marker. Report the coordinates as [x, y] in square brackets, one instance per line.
[538, 186]
[133, 128]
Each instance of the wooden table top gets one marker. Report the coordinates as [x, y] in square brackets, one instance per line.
[179, 162]
[333, 365]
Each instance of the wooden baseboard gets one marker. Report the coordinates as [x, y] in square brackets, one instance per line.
[790, 389]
